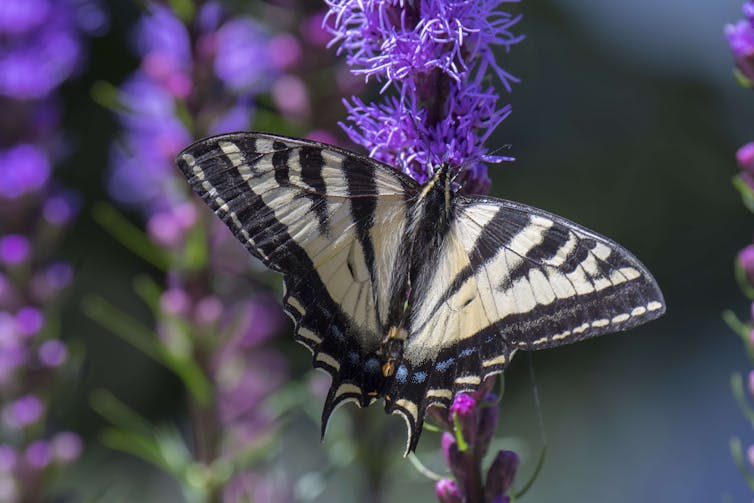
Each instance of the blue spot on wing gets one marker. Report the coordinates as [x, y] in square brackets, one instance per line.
[401, 374]
[467, 352]
[445, 364]
[353, 357]
[419, 377]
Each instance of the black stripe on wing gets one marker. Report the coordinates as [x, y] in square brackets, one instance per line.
[582, 284]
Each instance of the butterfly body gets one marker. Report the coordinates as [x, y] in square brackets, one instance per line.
[405, 292]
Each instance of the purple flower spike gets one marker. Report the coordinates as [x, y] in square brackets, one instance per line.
[500, 475]
[463, 404]
[447, 491]
[14, 249]
[435, 55]
[52, 353]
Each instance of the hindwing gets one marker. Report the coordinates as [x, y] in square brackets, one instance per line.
[514, 277]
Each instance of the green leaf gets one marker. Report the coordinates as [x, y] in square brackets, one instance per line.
[184, 9]
[129, 235]
[739, 393]
[530, 482]
[195, 252]
[747, 195]
[107, 95]
[118, 413]
[127, 328]
[144, 339]
[742, 79]
[738, 457]
[149, 291]
[743, 280]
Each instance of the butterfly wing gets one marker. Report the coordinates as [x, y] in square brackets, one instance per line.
[514, 277]
[329, 220]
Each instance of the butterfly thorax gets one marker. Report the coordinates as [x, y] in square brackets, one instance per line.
[430, 216]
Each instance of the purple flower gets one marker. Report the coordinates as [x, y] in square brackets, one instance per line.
[435, 55]
[447, 491]
[746, 259]
[52, 353]
[741, 40]
[66, 447]
[23, 412]
[500, 476]
[8, 458]
[38, 454]
[241, 60]
[61, 208]
[745, 159]
[14, 249]
[29, 320]
[175, 302]
[42, 44]
[463, 404]
[27, 170]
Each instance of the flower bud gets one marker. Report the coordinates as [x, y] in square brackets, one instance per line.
[746, 260]
[447, 491]
[488, 417]
[454, 458]
[500, 475]
[745, 161]
[741, 40]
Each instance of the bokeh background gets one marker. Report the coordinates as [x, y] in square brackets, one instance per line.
[627, 120]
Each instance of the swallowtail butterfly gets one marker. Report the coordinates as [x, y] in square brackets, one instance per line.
[405, 292]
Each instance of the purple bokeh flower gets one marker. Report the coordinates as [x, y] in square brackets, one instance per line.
[42, 44]
[740, 37]
[31, 170]
[435, 55]
[23, 412]
[52, 353]
[14, 249]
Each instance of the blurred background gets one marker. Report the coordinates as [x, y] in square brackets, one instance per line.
[627, 121]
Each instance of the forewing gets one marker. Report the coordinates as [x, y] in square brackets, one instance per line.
[515, 277]
[329, 220]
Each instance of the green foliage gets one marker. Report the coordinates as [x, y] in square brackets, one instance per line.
[146, 340]
[747, 195]
[129, 235]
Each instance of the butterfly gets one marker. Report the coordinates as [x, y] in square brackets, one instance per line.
[411, 293]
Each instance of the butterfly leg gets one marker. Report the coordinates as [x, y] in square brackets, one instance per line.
[391, 349]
